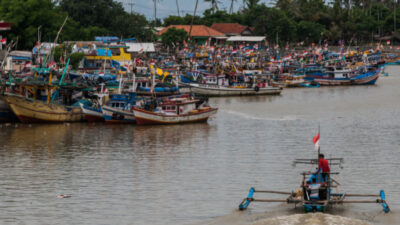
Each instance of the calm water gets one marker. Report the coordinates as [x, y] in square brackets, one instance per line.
[198, 174]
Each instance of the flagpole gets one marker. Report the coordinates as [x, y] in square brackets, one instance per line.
[319, 151]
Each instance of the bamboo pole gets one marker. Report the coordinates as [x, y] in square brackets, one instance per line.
[269, 200]
[273, 192]
[362, 195]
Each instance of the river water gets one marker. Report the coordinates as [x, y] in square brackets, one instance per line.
[199, 173]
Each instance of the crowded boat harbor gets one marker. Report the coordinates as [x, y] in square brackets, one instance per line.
[112, 84]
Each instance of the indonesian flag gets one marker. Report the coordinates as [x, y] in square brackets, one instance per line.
[28, 65]
[3, 41]
[234, 51]
[316, 141]
[387, 42]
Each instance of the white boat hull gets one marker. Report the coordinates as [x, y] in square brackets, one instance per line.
[216, 91]
[144, 117]
[116, 115]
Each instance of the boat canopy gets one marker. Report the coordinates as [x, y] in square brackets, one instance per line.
[140, 47]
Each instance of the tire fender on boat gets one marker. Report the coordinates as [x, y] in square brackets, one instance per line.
[256, 88]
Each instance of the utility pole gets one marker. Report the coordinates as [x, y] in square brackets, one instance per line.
[131, 5]
[394, 17]
[194, 14]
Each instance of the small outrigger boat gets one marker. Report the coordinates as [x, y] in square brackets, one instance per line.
[316, 194]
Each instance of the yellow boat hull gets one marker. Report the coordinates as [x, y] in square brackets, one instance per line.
[35, 111]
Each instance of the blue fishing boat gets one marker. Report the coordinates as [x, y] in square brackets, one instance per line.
[119, 108]
[334, 76]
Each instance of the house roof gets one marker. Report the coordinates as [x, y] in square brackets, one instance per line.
[197, 30]
[229, 28]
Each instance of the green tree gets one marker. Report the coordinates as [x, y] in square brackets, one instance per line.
[174, 36]
[27, 16]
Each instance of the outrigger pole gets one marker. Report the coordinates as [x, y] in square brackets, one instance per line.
[291, 199]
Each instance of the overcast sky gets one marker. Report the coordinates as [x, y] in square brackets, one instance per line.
[168, 7]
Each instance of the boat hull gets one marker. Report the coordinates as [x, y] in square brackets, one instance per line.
[92, 115]
[35, 111]
[144, 117]
[6, 114]
[365, 79]
[218, 91]
[114, 115]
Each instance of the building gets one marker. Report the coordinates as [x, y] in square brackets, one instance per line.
[233, 29]
[199, 33]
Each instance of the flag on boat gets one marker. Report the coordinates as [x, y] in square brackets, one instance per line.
[3, 41]
[28, 65]
[316, 141]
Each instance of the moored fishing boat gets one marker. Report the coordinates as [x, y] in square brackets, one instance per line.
[92, 114]
[6, 114]
[35, 111]
[175, 111]
[216, 90]
[366, 78]
[119, 109]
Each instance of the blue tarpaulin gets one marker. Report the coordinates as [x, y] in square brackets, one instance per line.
[107, 39]
[103, 52]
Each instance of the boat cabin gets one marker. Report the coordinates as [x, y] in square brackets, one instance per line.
[338, 72]
[178, 106]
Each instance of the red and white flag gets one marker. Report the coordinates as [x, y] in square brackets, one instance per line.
[28, 65]
[316, 141]
[3, 41]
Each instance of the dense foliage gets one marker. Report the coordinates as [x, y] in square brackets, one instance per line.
[356, 21]
[87, 19]
[174, 37]
[309, 21]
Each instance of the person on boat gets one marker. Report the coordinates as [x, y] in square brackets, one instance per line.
[323, 167]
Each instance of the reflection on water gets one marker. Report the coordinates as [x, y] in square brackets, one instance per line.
[198, 173]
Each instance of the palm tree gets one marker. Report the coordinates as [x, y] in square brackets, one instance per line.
[214, 4]
[177, 7]
[251, 3]
[231, 8]
[155, 11]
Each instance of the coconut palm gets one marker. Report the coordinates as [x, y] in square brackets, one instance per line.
[214, 4]
[177, 8]
[231, 8]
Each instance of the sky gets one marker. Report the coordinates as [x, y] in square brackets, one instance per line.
[168, 7]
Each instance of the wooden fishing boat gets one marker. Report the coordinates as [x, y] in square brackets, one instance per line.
[6, 114]
[217, 90]
[367, 78]
[119, 109]
[175, 111]
[92, 114]
[316, 192]
[36, 111]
